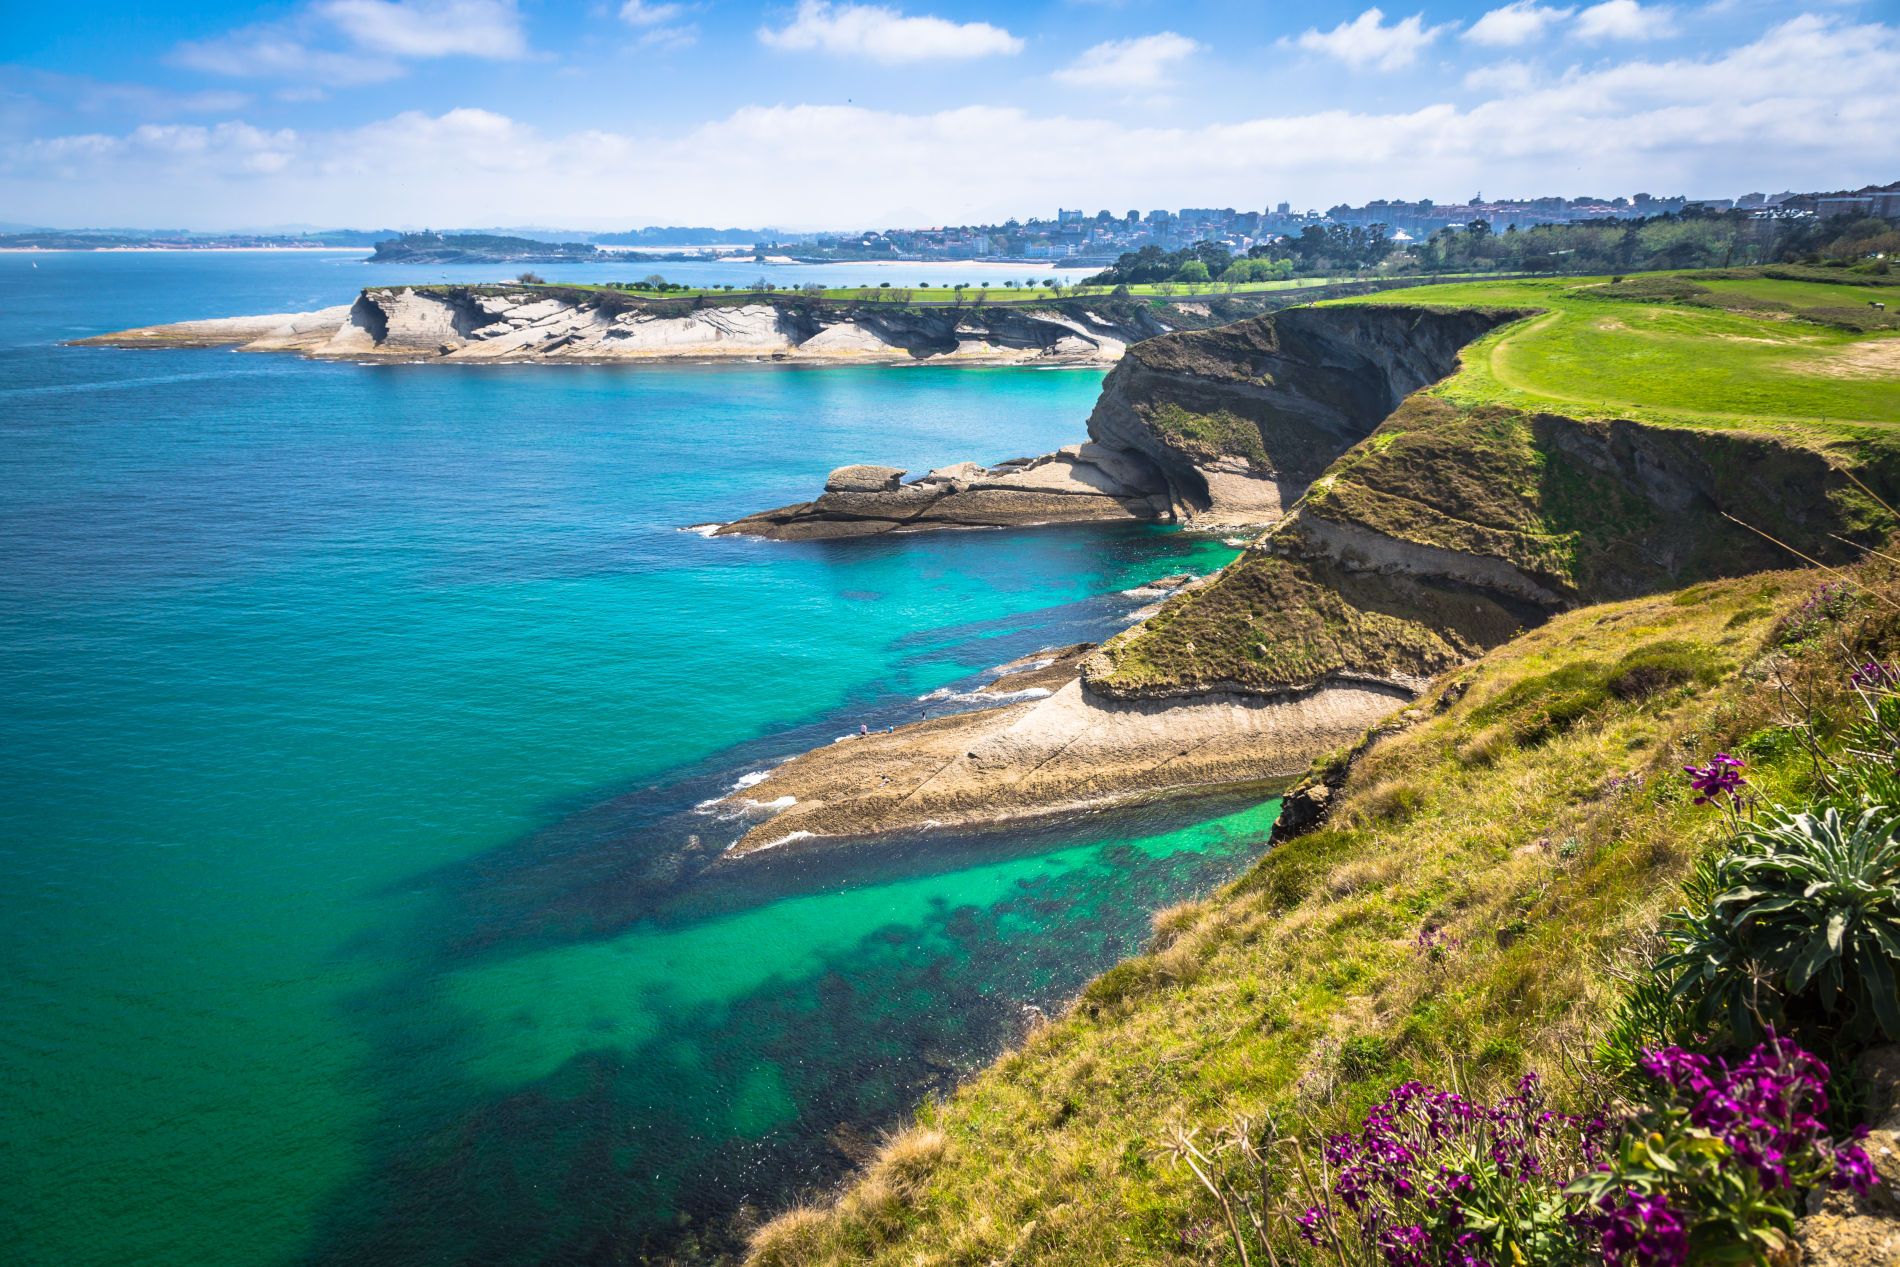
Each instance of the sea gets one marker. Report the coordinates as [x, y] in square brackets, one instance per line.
[358, 729]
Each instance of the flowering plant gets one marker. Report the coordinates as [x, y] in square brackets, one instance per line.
[1721, 780]
[1711, 1170]
[1433, 1178]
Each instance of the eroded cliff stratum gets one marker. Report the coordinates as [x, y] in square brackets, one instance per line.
[1408, 534]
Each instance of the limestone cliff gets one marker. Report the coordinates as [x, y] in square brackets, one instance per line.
[1453, 528]
[1418, 538]
[554, 323]
[1221, 427]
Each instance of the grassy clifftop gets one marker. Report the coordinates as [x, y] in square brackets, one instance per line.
[1498, 855]
[1585, 453]
[1464, 915]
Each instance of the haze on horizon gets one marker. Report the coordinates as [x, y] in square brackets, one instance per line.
[826, 113]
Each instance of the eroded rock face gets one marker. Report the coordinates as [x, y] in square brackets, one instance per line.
[1078, 484]
[468, 323]
[1222, 427]
[1241, 419]
[864, 479]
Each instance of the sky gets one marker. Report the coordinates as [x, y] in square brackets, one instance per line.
[611, 114]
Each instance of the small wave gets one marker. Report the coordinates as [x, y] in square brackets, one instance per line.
[786, 839]
[944, 695]
[703, 530]
[751, 779]
[1023, 666]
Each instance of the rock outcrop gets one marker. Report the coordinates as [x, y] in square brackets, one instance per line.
[1069, 749]
[1453, 528]
[542, 323]
[1240, 420]
[1422, 537]
[1218, 428]
[1077, 484]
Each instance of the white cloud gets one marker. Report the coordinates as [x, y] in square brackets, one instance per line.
[1806, 105]
[345, 42]
[657, 28]
[1504, 78]
[1516, 23]
[885, 35]
[275, 52]
[640, 13]
[430, 28]
[1366, 40]
[1625, 20]
[1144, 62]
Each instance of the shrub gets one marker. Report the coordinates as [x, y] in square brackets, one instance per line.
[1712, 1169]
[1801, 924]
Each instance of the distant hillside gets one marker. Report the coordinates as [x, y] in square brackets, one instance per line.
[477, 248]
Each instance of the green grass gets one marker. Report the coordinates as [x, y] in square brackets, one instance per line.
[934, 295]
[1302, 989]
[1678, 362]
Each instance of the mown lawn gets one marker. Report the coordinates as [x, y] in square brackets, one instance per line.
[1593, 356]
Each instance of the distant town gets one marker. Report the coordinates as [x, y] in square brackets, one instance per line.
[1075, 238]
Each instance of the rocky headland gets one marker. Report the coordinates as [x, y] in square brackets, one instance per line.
[460, 324]
[1407, 535]
[1221, 428]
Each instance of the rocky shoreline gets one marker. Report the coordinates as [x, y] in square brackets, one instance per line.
[1083, 483]
[1054, 747]
[489, 324]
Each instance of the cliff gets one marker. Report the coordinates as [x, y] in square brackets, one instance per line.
[581, 324]
[1494, 865]
[1221, 427]
[1423, 531]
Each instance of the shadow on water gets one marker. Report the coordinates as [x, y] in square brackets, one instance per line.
[601, 865]
[683, 1047]
[657, 1149]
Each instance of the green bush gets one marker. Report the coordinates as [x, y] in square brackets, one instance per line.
[1800, 927]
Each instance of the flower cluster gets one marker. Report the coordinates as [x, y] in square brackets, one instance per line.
[1767, 1109]
[1617, 784]
[1720, 1158]
[1434, 943]
[1720, 779]
[1638, 1228]
[1433, 1178]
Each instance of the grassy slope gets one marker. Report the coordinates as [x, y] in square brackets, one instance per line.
[1499, 819]
[1590, 356]
[1493, 820]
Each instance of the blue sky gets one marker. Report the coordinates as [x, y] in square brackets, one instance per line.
[610, 113]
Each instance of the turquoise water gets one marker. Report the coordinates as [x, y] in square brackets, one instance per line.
[352, 721]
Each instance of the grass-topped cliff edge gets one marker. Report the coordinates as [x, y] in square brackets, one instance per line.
[1494, 868]
[1625, 438]
[1576, 548]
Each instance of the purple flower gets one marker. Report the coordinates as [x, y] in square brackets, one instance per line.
[1874, 675]
[1313, 1224]
[1853, 1169]
[1722, 777]
[1640, 1229]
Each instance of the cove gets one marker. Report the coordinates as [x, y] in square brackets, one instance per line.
[352, 725]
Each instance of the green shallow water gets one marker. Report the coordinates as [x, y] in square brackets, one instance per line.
[352, 721]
